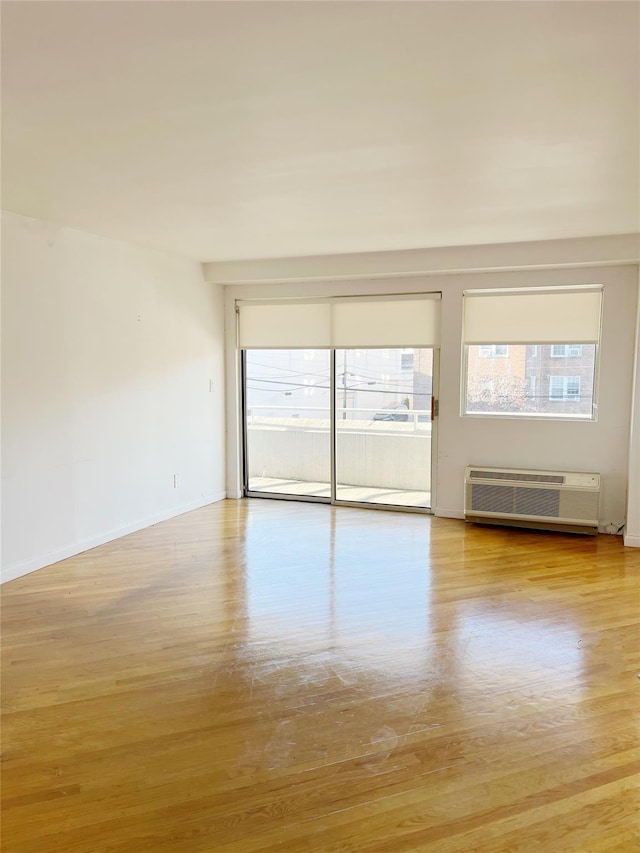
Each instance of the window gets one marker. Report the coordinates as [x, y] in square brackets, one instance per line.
[517, 377]
[493, 351]
[564, 387]
[566, 350]
[517, 385]
[406, 361]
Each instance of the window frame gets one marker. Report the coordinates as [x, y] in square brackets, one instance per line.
[569, 351]
[565, 388]
[570, 315]
[406, 361]
[493, 351]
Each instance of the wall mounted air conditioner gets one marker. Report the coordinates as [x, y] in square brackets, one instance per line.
[544, 500]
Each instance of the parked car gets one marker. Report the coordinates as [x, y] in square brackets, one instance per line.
[395, 413]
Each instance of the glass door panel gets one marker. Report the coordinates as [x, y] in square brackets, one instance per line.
[288, 422]
[383, 426]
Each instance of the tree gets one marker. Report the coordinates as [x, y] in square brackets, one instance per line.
[497, 394]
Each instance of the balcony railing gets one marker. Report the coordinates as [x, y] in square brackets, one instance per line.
[293, 442]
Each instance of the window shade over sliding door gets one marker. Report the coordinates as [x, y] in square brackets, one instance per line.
[388, 322]
[533, 316]
[276, 325]
[365, 322]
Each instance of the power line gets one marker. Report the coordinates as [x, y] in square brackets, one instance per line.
[340, 390]
[288, 369]
[401, 385]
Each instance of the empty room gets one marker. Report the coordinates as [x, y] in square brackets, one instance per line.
[320, 426]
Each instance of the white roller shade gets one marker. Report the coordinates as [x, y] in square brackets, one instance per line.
[341, 322]
[389, 322]
[528, 317]
[285, 326]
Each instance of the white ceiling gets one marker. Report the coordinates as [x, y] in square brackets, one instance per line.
[231, 130]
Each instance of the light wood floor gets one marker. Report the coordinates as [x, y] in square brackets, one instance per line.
[260, 676]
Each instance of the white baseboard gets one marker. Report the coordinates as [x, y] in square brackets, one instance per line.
[632, 540]
[442, 512]
[28, 566]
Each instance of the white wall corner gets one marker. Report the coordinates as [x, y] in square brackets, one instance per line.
[128, 404]
[44, 560]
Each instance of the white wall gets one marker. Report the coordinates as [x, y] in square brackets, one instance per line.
[609, 250]
[600, 446]
[108, 355]
[632, 530]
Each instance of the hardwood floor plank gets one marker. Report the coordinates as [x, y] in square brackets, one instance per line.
[258, 676]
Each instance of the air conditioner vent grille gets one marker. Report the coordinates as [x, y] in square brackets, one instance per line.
[519, 476]
[515, 501]
[542, 502]
[547, 499]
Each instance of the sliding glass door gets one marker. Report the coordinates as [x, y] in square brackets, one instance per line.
[375, 448]
[338, 394]
[287, 422]
[383, 426]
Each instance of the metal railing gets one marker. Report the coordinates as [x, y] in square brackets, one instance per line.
[419, 419]
[373, 453]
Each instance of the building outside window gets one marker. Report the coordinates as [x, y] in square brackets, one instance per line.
[406, 360]
[493, 351]
[531, 379]
[564, 387]
[546, 363]
[566, 351]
